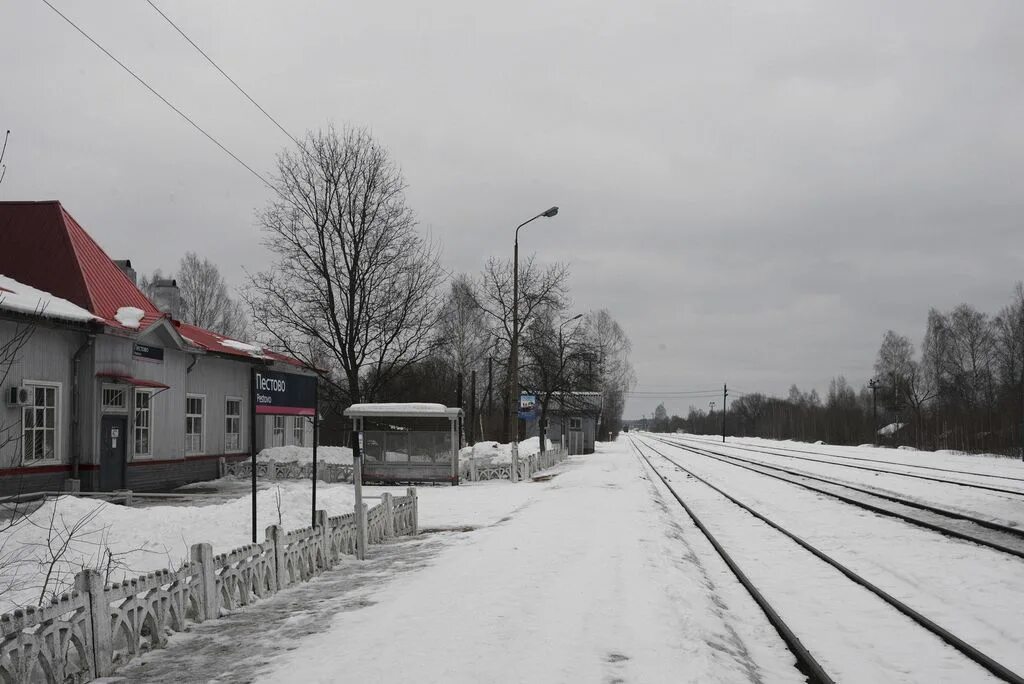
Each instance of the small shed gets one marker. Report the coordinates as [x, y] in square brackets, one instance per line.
[415, 442]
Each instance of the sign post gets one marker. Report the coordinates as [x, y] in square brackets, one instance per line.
[274, 393]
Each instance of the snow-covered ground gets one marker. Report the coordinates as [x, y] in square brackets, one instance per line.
[496, 452]
[588, 576]
[593, 574]
[324, 454]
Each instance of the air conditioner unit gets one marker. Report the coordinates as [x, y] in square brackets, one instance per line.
[18, 396]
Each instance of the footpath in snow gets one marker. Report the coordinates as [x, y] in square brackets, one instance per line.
[586, 576]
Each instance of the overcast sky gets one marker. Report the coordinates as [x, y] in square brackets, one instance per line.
[756, 191]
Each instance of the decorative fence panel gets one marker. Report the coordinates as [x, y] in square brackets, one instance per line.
[91, 631]
[479, 470]
[286, 470]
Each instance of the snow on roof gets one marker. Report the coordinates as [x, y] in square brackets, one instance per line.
[15, 296]
[410, 410]
[129, 316]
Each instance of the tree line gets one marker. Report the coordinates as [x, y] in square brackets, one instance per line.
[357, 292]
[963, 390]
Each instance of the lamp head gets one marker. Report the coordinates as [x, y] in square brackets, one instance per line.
[550, 212]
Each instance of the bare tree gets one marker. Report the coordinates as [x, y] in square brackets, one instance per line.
[354, 288]
[463, 339]
[206, 300]
[551, 356]
[540, 288]
[609, 369]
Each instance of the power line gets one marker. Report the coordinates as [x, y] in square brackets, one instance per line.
[159, 96]
[223, 73]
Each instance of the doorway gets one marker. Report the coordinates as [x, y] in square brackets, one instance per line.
[113, 452]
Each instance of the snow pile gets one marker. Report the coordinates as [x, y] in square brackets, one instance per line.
[891, 429]
[289, 454]
[15, 296]
[129, 316]
[493, 452]
[242, 347]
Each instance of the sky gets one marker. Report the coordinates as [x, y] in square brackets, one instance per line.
[755, 191]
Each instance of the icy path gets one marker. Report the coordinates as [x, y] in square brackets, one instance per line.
[589, 576]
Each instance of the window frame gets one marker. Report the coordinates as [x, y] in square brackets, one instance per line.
[104, 407]
[299, 430]
[202, 433]
[578, 424]
[241, 425]
[58, 394]
[274, 430]
[135, 426]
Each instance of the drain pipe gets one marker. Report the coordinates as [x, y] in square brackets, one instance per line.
[76, 432]
[195, 360]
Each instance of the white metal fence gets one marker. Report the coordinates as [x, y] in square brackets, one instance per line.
[94, 629]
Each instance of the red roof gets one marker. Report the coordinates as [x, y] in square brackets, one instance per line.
[43, 246]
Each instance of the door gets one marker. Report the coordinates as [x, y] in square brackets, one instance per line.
[113, 452]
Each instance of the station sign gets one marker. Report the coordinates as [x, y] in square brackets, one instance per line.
[276, 393]
[148, 353]
[527, 407]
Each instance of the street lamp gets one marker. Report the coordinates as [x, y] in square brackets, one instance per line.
[513, 369]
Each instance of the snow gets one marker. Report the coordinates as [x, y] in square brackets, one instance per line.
[891, 429]
[242, 347]
[16, 296]
[129, 316]
[398, 410]
[288, 454]
[976, 592]
[587, 577]
[494, 452]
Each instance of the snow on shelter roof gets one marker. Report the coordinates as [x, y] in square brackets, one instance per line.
[15, 296]
[411, 410]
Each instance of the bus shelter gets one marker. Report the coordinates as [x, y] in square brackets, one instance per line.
[408, 443]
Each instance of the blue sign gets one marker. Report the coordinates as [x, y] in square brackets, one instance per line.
[527, 407]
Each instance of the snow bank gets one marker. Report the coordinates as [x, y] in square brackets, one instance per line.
[494, 452]
[324, 454]
[15, 296]
[891, 429]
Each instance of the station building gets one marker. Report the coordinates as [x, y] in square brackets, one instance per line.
[104, 386]
[573, 418]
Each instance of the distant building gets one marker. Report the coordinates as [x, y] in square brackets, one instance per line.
[574, 416]
[110, 389]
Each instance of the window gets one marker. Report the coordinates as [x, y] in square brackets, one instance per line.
[195, 405]
[277, 437]
[39, 424]
[143, 423]
[299, 430]
[115, 399]
[575, 423]
[233, 424]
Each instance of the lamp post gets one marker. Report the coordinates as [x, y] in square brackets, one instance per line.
[511, 424]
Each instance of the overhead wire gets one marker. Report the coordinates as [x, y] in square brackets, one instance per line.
[223, 73]
[163, 99]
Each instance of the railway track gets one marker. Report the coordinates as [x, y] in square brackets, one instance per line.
[1009, 478]
[942, 520]
[958, 483]
[837, 595]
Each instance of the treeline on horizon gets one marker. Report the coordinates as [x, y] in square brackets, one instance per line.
[963, 391]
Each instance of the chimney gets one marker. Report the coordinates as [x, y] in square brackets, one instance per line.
[166, 297]
[126, 267]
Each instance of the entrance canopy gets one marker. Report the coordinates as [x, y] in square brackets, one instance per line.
[414, 442]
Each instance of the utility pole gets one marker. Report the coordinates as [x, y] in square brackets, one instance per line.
[458, 402]
[725, 393]
[490, 388]
[873, 384]
[472, 407]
